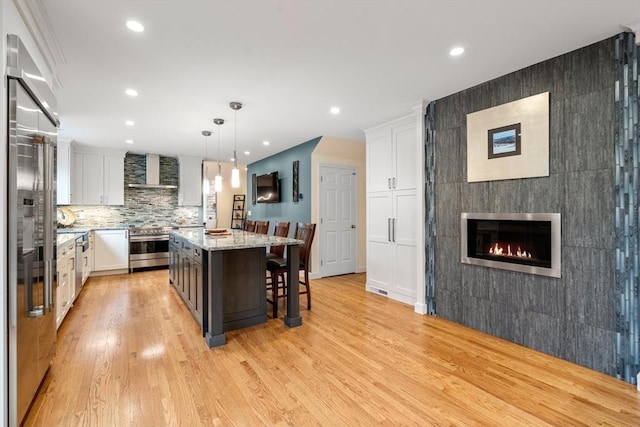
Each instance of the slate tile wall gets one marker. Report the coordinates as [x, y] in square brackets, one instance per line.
[572, 317]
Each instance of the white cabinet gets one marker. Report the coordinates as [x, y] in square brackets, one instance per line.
[111, 250]
[190, 190]
[99, 177]
[87, 259]
[393, 210]
[66, 272]
[65, 172]
[91, 251]
[392, 156]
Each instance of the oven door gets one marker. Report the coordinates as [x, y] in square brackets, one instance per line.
[148, 251]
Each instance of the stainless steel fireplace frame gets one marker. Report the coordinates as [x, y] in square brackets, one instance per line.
[556, 251]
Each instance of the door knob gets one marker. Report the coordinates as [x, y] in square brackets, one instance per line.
[353, 226]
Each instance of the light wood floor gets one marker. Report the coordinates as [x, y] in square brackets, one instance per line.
[129, 354]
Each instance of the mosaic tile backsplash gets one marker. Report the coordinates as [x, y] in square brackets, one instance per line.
[144, 206]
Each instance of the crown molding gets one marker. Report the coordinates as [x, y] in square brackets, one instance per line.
[37, 21]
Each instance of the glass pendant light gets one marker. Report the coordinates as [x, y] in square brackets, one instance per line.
[205, 181]
[235, 173]
[217, 183]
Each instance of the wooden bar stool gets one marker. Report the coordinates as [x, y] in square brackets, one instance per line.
[277, 268]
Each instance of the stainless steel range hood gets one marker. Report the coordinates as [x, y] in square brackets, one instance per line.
[153, 174]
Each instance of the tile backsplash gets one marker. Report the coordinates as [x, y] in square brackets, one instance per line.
[144, 206]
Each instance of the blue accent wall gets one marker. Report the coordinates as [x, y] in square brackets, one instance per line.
[282, 163]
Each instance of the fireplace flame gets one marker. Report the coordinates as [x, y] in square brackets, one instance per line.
[498, 249]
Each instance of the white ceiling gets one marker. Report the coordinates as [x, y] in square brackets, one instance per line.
[288, 62]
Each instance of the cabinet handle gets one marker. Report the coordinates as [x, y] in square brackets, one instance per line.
[388, 229]
[394, 182]
[393, 224]
[389, 183]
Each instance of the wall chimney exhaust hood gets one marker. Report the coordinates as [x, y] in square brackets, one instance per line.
[153, 174]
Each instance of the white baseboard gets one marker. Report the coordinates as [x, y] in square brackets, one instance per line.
[420, 308]
[109, 272]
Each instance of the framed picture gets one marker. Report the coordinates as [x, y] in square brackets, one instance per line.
[504, 141]
[296, 190]
[254, 188]
[509, 141]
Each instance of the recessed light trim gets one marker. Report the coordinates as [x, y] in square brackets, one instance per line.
[135, 26]
[247, 152]
[129, 123]
[266, 143]
[335, 110]
[131, 92]
[129, 141]
[456, 51]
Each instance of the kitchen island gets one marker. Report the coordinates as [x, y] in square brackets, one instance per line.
[221, 278]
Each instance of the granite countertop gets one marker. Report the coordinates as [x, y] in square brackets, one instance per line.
[91, 228]
[238, 239]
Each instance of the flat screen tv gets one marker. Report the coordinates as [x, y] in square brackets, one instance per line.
[268, 188]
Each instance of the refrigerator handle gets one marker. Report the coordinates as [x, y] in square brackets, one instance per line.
[49, 222]
[31, 309]
[48, 285]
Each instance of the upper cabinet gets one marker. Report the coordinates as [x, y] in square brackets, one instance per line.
[65, 172]
[99, 177]
[190, 190]
[391, 156]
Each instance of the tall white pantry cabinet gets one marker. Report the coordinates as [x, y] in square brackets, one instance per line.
[394, 210]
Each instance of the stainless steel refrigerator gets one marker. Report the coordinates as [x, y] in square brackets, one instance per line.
[31, 228]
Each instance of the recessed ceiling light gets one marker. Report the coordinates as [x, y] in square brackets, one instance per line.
[247, 152]
[456, 51]
[265, 143]
[129, 123]
[335, 110]
[131, 92]
[135, 26]
[129, 141]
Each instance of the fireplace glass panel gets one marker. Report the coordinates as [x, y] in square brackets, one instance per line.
[512, 241]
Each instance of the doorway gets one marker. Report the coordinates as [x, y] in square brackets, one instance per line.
[338, 220]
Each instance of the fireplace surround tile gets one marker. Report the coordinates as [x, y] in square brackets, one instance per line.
[589, 278]
[448, 201]
[587, 142]
[588, 220]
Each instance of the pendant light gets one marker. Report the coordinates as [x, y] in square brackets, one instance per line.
[205, 181]
[217, 183]
[235, 173]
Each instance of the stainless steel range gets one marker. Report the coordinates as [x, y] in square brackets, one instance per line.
[148, 247]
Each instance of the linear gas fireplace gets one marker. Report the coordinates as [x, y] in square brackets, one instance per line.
[529, 243]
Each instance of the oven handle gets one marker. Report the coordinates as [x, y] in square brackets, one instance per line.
[148, 238]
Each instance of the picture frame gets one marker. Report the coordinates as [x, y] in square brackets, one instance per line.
[296, 189]
[488, 159]
[254, 188]
[504, 141]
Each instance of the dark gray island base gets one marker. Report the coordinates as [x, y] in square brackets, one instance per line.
[221, 279]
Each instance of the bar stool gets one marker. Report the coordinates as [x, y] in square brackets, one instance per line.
[277, 267]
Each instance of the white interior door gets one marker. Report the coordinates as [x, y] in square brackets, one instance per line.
[337, 220]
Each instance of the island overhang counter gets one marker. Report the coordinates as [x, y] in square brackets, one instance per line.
[221, 278]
